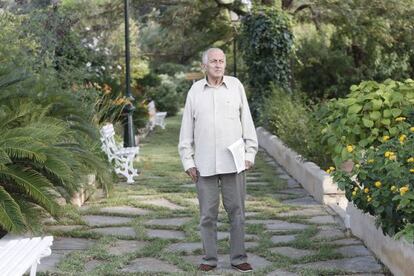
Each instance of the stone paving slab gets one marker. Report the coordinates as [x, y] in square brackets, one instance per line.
[124, 247]
[168, 222]
[91, 265]
[292, 252]
[292, 183]
[257, 183]
[187, 247]
[283, 238]
[224, 266]
[149, 265]
[125, 210]
[348, 241]
[105, 220]
[321, 220]
[308, 212]
[278, 224]
[226, 235]
[295, 191]
[329, 234]
[281, 272]
[353, 250]
[162, 202]
[365, 264]
[189, 185]
[63, 228]
[60, 248]
[303, 201]
[165, 234]
[116, 231]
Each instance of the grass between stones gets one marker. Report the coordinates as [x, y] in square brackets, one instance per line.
[162, 179]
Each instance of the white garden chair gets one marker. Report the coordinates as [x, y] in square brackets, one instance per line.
[122, 158]
[160, 119]
[18, 255]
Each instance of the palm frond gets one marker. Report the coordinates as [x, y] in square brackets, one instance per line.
[11, 217]
[33, 184]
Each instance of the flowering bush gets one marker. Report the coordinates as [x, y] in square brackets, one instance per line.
[371, 137]
[382, 182]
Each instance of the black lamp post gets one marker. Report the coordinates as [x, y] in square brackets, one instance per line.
[129, 139]
[234, 19]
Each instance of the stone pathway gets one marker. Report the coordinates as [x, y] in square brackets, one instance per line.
[151, 227]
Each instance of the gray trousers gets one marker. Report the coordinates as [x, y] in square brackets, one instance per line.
[233, 192]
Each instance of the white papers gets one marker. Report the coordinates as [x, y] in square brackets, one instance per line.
[238, 152]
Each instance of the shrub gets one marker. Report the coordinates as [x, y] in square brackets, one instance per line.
[372, 129]
[382, 182]
[367, 115]
[165, 95]
[294, 122]
[266, 40]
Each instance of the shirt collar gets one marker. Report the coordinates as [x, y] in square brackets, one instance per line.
[225, 82]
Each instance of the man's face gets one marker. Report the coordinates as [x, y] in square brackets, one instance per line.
[216, 64]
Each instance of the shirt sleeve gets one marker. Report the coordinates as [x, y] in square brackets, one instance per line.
[186, 143]
[249, 131]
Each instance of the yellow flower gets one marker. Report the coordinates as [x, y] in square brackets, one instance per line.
[366, 190]
[400, 119]
[403, 190]
[412, 129]
[350, 148]
[410, 160]
[357, 166]
[332, 168]
[402, 138]
[328, 171]
[385, 138]
[412, 170]
[369, 199]
[370, 161]
[378, 184]
[354, 193]
[387, 153]
[393, 188]
[356, 188]
[393, 157]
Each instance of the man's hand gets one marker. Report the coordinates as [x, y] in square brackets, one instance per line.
[192, 172]
[248, 165]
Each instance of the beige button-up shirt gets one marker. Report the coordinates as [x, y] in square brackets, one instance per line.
[213, 119]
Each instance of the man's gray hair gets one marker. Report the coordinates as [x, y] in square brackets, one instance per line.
[204, 58]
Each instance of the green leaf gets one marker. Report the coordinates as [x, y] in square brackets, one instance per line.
[387, 113]
[393, 131]
[376, 104]
[355, 108]
[375, 115]
[367, 122]
[386, 122]
[396, 112]
[11, 218]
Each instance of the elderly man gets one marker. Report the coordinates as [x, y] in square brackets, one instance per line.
[216, 116]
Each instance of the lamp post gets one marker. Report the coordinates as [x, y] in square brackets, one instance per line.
[234, 19]
[129, 139]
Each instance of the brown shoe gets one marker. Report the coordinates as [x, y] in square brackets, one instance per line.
[244, 267]
[206, 267]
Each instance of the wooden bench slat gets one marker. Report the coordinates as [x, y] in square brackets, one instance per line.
[13, 253]
[21, 259]
[18, 256]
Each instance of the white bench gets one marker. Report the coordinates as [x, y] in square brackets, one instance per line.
[18, 255]
[160, 119]
[155, 118]
[123, 158]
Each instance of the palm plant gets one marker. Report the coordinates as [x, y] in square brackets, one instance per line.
[43, 153]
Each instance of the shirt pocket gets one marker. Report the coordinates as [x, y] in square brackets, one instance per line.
[231, 109]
